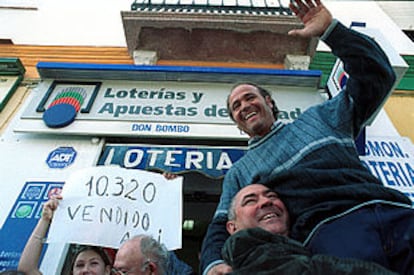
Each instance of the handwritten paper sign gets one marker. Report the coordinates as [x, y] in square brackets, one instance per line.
[107, 205]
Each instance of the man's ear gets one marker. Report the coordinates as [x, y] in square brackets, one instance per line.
[152, 267]
[231, 227]
[268, 100]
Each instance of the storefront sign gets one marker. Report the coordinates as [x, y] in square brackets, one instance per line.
[391, 159]
[172, 107]
[212, 161]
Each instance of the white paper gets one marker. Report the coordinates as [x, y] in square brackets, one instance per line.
[106, 205]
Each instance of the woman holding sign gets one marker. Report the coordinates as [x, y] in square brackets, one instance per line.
[89, 259]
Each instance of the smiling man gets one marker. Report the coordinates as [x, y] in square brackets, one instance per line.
[258, 223]
[252, 108]
[257, 206]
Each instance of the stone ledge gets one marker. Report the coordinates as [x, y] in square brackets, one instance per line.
[215, 37]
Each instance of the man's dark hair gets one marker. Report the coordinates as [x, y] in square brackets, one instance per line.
[263, 92]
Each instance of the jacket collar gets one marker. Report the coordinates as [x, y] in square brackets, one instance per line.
[254, 141]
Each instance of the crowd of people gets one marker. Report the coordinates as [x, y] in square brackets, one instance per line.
[299, 201]
[336, 206]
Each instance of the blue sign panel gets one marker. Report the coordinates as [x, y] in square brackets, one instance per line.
[61, 157]
[22, 219]
[212, 161]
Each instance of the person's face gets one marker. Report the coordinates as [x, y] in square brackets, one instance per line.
[90, 262]
[251, 112]
[258, 206]
[130, 260]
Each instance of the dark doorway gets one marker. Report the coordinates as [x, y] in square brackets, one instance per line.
[201, 196]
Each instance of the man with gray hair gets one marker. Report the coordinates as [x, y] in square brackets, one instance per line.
[143, 254]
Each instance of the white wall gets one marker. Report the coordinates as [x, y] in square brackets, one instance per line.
[63, 22]
[374, 17]
[99, 23]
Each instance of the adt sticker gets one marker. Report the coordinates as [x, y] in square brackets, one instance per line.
[61, 157]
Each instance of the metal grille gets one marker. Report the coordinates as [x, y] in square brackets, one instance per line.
[253, 7]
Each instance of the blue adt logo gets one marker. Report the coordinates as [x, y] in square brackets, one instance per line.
[61, 157]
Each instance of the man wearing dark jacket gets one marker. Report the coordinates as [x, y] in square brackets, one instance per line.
[258, 224]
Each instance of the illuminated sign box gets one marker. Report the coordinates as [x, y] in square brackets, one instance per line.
[161, 101]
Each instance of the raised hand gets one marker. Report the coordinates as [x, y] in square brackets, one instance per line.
[314, 15]
[49, 207]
